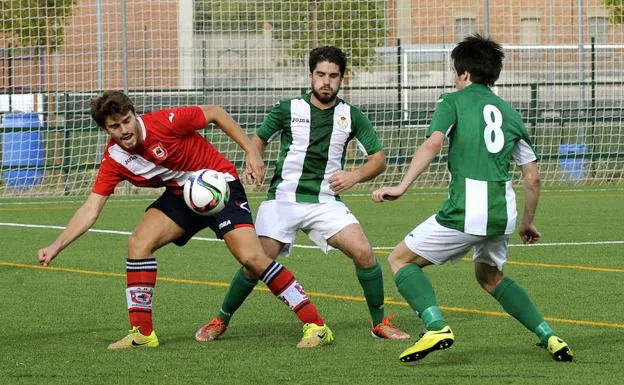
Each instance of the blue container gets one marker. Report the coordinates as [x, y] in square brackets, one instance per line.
[22, 149]
[574, 168]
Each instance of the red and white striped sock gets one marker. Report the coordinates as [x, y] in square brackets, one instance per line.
[141, 280]
[283, 285]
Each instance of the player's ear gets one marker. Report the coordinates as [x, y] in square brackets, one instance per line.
[465, 76]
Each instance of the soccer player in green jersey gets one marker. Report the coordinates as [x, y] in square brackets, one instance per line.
[485, 133]
[314, 131]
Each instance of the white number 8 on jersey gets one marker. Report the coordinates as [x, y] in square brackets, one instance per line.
[493, 134]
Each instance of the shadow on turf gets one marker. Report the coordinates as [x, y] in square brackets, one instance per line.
[248, 333]
[278, 334]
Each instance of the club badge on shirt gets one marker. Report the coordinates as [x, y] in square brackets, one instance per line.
[158, 151]
[343, 124]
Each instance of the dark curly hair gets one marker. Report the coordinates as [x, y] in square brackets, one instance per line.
[330, 54]
[109, 104]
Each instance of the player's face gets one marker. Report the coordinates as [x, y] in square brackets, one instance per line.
[124, 130]
[325, 81]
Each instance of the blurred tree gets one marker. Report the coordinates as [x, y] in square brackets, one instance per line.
[616, 10]
[36, 23]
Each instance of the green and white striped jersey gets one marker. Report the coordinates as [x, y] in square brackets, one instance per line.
[313, 144]
[485, 133]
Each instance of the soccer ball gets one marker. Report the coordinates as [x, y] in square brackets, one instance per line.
[206, 192]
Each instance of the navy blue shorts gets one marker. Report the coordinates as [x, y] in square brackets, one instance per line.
[236, 213]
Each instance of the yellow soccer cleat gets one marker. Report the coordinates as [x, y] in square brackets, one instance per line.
[136, 340]
[211, 331]
[429, 342]
[559, 350]
[314, 335]
[387, 330]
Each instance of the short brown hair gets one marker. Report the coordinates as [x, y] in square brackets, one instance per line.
[109, 104]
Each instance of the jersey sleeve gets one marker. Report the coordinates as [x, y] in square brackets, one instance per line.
[107, 178]
[273, 122]
[523, 151]
[364, 132]
[182, 121]
[444, 116]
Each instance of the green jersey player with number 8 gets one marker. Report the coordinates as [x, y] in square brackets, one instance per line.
[485, 134]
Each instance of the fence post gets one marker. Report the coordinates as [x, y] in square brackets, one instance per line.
[399, 80]
[65, 164]
[581, 51]
[486, 18]
[533, 105]
[124, 44]
[593, 75]
[204, 65]
[10, 70]
[99, 37]
[592, 113]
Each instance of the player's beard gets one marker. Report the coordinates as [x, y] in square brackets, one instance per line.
[325, 99]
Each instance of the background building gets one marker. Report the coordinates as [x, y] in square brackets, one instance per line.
[562, 70]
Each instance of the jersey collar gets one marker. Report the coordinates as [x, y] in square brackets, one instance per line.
[143, 130]
[479, 85]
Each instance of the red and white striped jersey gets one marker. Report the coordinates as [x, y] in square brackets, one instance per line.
[170, 151]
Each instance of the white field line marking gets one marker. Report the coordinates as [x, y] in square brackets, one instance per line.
[258, 195]
[103, 231]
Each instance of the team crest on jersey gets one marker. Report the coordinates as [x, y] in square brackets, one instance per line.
[159, 151]
[342, 123]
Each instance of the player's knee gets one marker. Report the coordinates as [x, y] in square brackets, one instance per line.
[398, 259]
[138, 248]
[366, 262]
[488, 276]
[489, 282]
[485, 286]
[395, 262]
[254, 263]
[363, 257]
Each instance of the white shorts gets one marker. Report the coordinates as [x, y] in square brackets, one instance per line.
[439, 244]
[280, 220]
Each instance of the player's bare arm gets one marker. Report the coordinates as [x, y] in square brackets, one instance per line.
[342, 180]
[532, 187]
[82, 221]
[421, 160]
[254, 165]
[250, 177]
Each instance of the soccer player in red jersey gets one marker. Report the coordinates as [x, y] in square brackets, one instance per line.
[161, 149]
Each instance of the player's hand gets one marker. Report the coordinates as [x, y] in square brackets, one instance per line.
[387, 194]
[254, 168]
[529, 233]
[341, 181]
[46, 255]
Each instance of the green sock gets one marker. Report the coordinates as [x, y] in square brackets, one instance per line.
[517, 303]
[416, 288]
[371, 280]
[240, 288]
